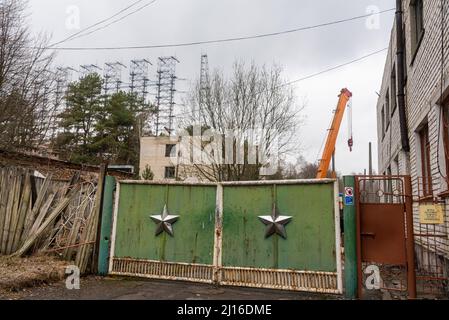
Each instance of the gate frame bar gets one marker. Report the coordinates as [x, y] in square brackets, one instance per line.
[409, 240]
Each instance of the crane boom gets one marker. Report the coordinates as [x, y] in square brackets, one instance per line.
[329, 149]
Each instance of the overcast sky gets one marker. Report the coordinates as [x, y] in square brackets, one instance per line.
[300, 54]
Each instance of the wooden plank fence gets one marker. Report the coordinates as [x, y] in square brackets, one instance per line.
[43, 215]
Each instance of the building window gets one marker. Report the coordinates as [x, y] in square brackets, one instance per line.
[425, 162]
[416, 24]
[393, 91]
[382, 115]
[387, 109]
[170, 150]
[170, 172]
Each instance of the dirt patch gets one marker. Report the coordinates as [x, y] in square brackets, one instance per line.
[17, 274]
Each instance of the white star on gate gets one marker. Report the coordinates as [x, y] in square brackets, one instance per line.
[275, 223]
[164, 222]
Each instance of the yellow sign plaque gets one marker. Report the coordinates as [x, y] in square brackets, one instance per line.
[431, 214]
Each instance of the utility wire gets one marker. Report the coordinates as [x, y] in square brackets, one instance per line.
[97, 23]
[186, 44]
[317, 73]
[334, 68]
[115, 21]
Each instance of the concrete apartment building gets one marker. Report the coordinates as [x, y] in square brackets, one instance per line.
[413, 106]
[160, 154]
[164, 156]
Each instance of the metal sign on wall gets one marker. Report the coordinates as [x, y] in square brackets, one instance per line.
[271, 234]
[431, 214]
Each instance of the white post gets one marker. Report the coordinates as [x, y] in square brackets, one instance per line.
[114, 226]
[217, 262]
[338, 238]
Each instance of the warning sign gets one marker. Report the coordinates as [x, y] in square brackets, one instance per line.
[349, 201]
[349, 192]
[349, 196]
[431, 214]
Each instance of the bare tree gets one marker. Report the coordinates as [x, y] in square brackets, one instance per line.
[25, 83]
[253, 102]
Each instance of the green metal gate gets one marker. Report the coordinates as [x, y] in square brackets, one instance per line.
[270, 234]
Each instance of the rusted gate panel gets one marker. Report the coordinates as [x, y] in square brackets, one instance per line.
[164, 231]
[266, 234]
[385, 235]
[303, 256]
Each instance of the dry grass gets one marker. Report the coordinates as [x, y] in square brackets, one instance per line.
[20, 273]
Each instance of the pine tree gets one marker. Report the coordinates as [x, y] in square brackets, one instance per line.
[78, 121]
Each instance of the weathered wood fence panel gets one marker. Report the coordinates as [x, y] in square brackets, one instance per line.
[42, 215]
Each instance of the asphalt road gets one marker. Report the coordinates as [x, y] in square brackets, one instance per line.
[95, 288]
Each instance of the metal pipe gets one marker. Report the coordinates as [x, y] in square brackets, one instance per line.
[410, 241]
[401, 77]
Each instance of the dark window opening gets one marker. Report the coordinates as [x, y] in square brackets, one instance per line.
[393, 91]
[382, 115]
[416, 24]
[387, 109]
[170, 172]
[425, 162]
[170, 150]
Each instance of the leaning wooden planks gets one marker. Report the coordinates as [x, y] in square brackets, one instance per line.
[15, 199]
[41, 214]
[49, 216]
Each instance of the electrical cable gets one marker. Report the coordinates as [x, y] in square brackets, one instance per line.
[319, 73]
[186, 44]
[336, 67]
[115, 21]
[97, 23]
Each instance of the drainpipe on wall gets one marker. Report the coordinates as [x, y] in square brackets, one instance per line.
[401, 77]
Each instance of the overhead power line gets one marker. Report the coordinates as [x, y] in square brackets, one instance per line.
[97, 23]
[186, 44]
[115, 21]
[318, 73]
[334, 68]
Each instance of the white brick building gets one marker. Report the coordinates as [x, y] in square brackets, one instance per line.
[426, 71]
[160, 154]
[164, 156]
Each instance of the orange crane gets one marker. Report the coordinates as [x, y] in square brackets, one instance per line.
[329, 149]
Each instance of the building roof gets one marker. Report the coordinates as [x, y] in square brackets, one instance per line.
[60, 169]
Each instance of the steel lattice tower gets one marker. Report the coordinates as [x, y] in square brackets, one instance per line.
[64, 76]
[88, 69]
[204, 88]
[112, 77]
[165, 94]
[138, 77]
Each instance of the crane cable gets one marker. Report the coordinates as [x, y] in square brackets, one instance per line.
[350, 136]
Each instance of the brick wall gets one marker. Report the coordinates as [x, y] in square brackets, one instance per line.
[423, 90]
